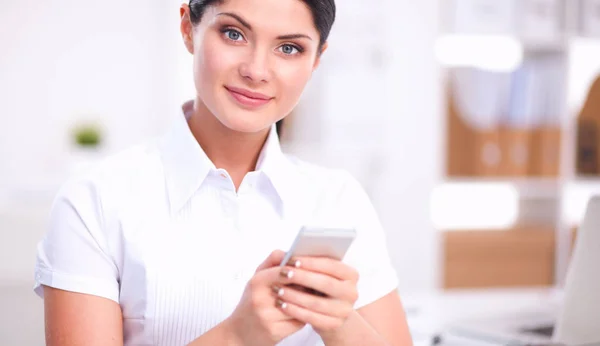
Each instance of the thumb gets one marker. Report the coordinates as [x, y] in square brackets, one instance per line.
[273, 260]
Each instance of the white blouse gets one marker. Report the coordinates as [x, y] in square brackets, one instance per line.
[162, 232]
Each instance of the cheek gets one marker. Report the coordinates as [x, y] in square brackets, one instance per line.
[213, 63]
[294, 79]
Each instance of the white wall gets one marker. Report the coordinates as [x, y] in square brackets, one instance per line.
[61, 62]
[415, 144]
[71, 60]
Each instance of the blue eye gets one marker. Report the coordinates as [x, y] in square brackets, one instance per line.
[233, 35]
[289, 49]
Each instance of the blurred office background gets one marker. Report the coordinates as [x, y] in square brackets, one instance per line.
[473, 125]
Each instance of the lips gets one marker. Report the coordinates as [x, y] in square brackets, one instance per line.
[247, 98]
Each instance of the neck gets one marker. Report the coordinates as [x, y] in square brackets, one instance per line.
[233, 151]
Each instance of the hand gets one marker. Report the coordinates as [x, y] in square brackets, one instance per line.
[327, 313]
[258, 320]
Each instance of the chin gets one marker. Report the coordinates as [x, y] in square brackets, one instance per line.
[246, 122]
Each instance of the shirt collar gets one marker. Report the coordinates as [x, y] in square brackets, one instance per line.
[277, 167]
[186, 165]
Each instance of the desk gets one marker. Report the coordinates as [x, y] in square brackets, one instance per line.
[431, 314]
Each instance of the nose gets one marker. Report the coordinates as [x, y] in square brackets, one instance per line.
[256, 67]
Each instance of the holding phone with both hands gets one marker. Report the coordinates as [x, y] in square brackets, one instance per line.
[320, 242]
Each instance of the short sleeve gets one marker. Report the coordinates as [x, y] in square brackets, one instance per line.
[73, 255]
[369, 253]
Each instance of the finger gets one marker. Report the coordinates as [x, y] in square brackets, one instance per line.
[275, 313]
[295, 324]
[268, 304]
[316, 320]
[279, 314]
[273, 260]
[326, 306]
[307, 290]
[278, 290]
[323, 283]
[327, 266]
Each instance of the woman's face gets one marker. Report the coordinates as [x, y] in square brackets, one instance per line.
[252, 59]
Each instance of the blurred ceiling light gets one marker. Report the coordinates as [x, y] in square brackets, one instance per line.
[479, 206]
[489, 52]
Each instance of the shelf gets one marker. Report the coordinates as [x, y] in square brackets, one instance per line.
[540, 46]
[526, 188]
[455, 200]
[469, 205]
[587, 180]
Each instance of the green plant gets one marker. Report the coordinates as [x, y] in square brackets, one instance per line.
[88, 136]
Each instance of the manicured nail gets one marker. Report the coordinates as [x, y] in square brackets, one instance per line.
[278, 290]
[281, 304]
[295, 263]
[287, 273]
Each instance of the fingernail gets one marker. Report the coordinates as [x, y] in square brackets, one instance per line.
[281, 304]
[294, 263]
[287, 273]
[278, 290]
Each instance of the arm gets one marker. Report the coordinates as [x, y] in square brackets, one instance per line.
[75, 273]
[380, 323]
[379, 317]
[220, 335]
[74, 319]
[82, 319]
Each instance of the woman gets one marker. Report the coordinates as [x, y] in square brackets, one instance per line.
[165, 243]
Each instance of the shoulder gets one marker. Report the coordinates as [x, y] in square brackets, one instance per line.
[115, 176]
[335, 193]
[323, 178]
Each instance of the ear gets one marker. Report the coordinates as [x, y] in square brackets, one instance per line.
[318, 59]
[187, 28]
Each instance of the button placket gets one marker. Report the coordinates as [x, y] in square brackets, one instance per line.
[230, 205]
[248, 183]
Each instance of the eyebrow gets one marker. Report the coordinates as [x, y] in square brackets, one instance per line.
[249, 27]
[236, 17]
[293, 36]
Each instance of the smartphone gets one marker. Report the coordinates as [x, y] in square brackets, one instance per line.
[321, 242]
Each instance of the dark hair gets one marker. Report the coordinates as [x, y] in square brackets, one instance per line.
[323, 12]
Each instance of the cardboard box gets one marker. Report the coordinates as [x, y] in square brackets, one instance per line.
[489, 155]
[460, 143]
[493, 259]
[501, 152]
[546, 152]
[588, 133]
[516, 148]
[587, 147]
